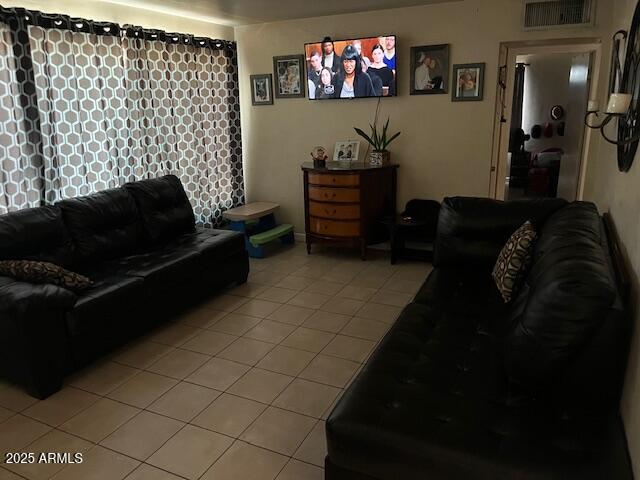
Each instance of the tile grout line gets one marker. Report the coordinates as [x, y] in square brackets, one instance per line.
[199, 330]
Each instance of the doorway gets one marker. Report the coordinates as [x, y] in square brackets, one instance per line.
[540, 143]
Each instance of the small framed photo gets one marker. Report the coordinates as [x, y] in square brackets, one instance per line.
[429, 69]
[261, 89]
[468, 82]
[346, 151]
[288, 71]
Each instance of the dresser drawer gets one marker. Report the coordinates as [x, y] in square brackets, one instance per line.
[332, 210]
[325, 194]
[337, 180]
[334, 228]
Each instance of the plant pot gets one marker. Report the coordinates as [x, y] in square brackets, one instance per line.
[379, 157]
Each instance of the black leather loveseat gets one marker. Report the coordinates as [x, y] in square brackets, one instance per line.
[140, 246]
[466, 387]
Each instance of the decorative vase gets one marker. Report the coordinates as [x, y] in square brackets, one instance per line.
[379, 157]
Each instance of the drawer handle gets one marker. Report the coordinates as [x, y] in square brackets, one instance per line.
[333, 195]
[328, 212]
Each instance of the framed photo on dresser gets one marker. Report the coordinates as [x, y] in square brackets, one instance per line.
[346, 151]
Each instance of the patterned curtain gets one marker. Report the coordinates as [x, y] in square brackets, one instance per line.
[80, 90]
[21, 174]
[184, 119]
[109, 109]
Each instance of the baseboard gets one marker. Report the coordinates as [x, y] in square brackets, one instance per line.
[300, 237]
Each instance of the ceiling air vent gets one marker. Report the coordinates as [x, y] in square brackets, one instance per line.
[543, 14]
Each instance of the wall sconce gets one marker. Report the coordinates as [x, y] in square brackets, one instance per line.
[618, 103]
[617, 107]
[622, 104]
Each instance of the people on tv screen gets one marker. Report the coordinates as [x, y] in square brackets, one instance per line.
[380, 69]
[390, 52]
[351, 81]
[328, 55]
[351, 68]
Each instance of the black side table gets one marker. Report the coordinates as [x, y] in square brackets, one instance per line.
[402, 228]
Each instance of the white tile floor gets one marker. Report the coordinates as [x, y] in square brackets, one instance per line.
[237, 388]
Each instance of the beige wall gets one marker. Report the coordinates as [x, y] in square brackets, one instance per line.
[108, 12]
[619, 193]
[445, 147]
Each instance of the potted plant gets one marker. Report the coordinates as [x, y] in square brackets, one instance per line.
[379, 141]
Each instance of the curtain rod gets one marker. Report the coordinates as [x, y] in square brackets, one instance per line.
[65, 22]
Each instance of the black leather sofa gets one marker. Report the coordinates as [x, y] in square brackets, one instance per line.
[466, 387]
[140, 246]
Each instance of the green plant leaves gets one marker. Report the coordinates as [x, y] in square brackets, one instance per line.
[378, 140]
[363, 135]
[393, 137]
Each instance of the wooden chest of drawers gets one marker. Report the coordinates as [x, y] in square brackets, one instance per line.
[343, 206]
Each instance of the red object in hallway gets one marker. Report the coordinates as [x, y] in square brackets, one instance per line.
[548, 130]
[544, 172]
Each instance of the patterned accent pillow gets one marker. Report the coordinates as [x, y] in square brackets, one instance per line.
[44, 272]
[514, 261]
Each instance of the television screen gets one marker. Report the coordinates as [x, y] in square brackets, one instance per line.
[356, 68]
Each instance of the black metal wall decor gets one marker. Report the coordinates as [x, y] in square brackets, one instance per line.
[624, 99]
[629, 124]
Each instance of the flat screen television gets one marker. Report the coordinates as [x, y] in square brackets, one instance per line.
[355, 68]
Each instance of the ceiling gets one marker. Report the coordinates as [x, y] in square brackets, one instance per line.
[243, 12]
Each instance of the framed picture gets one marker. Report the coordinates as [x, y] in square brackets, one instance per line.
[288, 71]
[261, 90]
[468, 82]
[346, 151]
[429, 69]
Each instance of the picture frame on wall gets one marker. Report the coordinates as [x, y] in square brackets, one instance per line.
[468, 82]
[288, 71]
[429, 69]
[346, 151]
[261, 89]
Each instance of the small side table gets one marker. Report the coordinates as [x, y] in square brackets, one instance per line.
[401, 229]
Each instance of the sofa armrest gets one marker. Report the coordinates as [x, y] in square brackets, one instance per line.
[472, 231]
[34, 347]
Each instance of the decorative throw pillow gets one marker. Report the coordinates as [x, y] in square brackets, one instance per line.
[44, 272]
[514, 261]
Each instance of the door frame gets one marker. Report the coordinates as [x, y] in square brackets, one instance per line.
[508, 53]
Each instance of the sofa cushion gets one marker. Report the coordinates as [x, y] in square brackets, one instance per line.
[472, 231]
[162, 268]
[103, 225]
[213, 245]
[36, 234]
[514, 261]
[101, 306]
[464, 293]
[565, 296]
[433, 384]
[434, 401]
[43, 272]
[164, 207]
